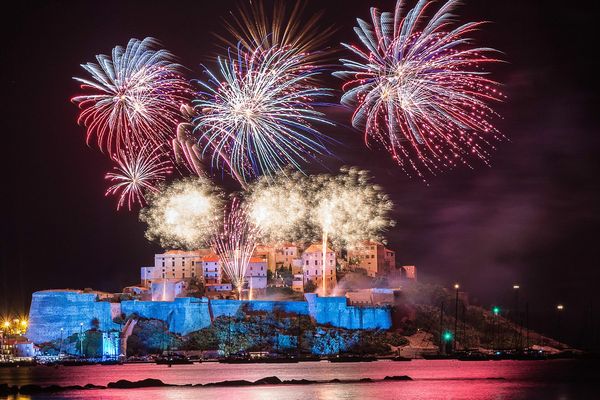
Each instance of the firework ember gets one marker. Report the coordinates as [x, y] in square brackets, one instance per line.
[137, 172]
[183, 214]
[419, 88]
[133, 97]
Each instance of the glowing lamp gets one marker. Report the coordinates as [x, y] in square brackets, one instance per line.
[447, 336]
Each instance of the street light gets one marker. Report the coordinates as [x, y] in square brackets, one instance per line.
[61, 343]
[517, 335]
[496, 312]
[81, 339]
[456, 287]
[559, 308]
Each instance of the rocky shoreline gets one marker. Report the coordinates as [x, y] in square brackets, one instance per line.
[6, 390]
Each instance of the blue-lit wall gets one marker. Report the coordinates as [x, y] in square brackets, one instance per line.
[72, 311]
[52, 310]
[184, 315]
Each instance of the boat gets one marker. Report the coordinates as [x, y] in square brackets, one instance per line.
[111, 362]
[173, 359]
[473, 356]
[309, 358]
[339, 359]
[259, 360]
[439, 356]
[76, 362]
[400, 358]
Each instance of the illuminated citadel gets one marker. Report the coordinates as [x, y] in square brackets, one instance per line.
[165, 287]
[139, 107]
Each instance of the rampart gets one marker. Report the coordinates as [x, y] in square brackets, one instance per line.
[73, 311]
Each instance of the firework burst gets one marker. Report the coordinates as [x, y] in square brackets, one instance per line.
[348, 208]
[280, 207]
[258, 117]
[254, 27]
[419, 89]
[183, 214]
[134, 96]
[235, 242]
[137, 172]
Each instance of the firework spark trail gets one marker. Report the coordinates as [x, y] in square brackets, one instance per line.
[134, 96]
[280, 207]
[235, 243]
[348, 208]
[258, 116]
[183, 214]
[254, 27]
[419, 88]
[137, 172]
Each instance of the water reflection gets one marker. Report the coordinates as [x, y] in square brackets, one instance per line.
[568, 380]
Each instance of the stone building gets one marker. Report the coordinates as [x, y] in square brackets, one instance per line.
[211, 269]
[312, 266]
[256, 275]
[285, 255]
[174, 264]
[374, 258]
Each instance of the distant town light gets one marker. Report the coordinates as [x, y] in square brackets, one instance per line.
[456, 286]
[560, 307]
[496, 310]
[516, 287]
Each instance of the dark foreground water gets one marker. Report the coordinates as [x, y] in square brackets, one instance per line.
[441, 379]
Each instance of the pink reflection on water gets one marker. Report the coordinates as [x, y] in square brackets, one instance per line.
[432, 380]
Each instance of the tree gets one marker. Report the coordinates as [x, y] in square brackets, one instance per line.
[196, 288]
[310, 287]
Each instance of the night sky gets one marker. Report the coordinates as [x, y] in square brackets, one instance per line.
[531, 218]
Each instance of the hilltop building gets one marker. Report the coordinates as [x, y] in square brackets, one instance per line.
[174, 270]
[312, 266]
[174, 264]
[168, 289]
[269, 254]
[409, 272]
[374, 258]
[285, 255]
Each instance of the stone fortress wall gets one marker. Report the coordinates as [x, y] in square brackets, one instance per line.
[73, 311]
